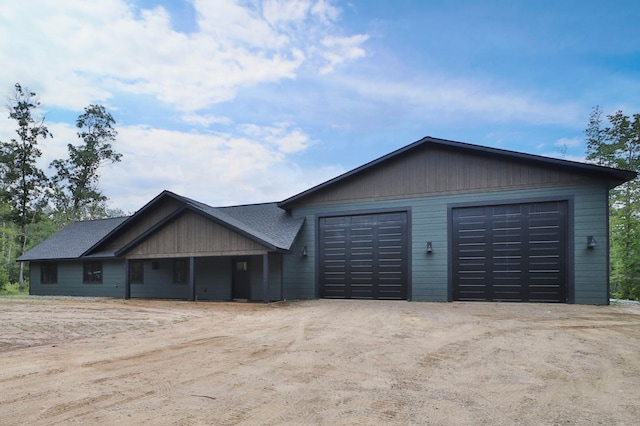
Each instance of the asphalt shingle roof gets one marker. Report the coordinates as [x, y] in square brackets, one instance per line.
[274, 223]
[265, 223]
[73, 240]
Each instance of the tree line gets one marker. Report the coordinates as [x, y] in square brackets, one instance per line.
[616, 143]
[34, 205]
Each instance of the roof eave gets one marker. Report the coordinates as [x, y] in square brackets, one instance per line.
[177, 213]
[130, 218]
[613, 176]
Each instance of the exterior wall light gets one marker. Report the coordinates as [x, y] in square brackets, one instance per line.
[591, 242]
[304, 252]
[429, 247]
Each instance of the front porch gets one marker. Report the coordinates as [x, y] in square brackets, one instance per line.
[248, 276]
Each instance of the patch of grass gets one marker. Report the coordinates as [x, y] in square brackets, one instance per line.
[13, 289]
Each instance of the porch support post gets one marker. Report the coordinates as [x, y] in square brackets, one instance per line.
[192, 278]
[127, 279]
[265, 277]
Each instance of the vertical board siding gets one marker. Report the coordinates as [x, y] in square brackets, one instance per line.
[429, 222]
[142, 223]
[193, 234]
[429, 171]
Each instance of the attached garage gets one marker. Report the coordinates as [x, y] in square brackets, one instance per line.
[363, 256]
[511, 252]
[469, 223]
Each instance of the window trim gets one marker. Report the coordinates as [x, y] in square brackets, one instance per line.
[89, 270]
[53, 265]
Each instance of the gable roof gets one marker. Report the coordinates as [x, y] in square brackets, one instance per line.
[73, 240]
[613, 176]
[266, 224]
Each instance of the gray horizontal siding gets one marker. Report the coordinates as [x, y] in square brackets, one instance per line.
[429, 273]
[275, 278]
[299, 271]
[158, 283]
[591, 265]
[213, 278]
[70, 276]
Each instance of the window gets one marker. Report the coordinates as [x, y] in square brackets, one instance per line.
[92, 273]
[242, 266]
[180, 271]
[49, 273]
[137, 272]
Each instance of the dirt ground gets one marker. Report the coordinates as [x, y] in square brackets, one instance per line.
[138, 362]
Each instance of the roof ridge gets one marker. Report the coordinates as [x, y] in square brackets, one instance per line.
[614, 175]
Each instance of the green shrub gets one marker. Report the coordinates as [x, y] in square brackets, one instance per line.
[4, 277]
[12, 289]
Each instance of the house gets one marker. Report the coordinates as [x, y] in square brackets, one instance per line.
[436, 220]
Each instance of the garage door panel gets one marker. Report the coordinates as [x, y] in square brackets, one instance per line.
[373, 249]
[510, 253]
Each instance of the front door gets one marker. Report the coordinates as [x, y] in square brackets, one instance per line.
[241, 278]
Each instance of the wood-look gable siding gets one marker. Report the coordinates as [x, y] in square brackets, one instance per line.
[142, 223]
[434, 171]
[191, 234]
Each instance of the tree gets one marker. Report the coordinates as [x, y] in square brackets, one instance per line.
[619, 146]
[25, 186]
[78, 195]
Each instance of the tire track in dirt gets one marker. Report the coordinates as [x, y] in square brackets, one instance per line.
[324, 362]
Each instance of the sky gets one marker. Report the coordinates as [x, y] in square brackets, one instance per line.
[246, 101]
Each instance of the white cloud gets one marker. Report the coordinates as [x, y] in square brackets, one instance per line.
[438, 99]
[341, 49]
[216, 169]
[80, 52]
[74, 53]
[56, 147]
[285, 139]
[276, 12]
[204, 120]
[325, 11]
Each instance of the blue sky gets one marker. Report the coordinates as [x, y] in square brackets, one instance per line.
[233, 102]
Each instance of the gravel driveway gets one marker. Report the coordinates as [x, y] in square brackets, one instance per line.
[138, 362]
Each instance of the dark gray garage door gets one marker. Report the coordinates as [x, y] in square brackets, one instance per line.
[512, 252]
[363, 256]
